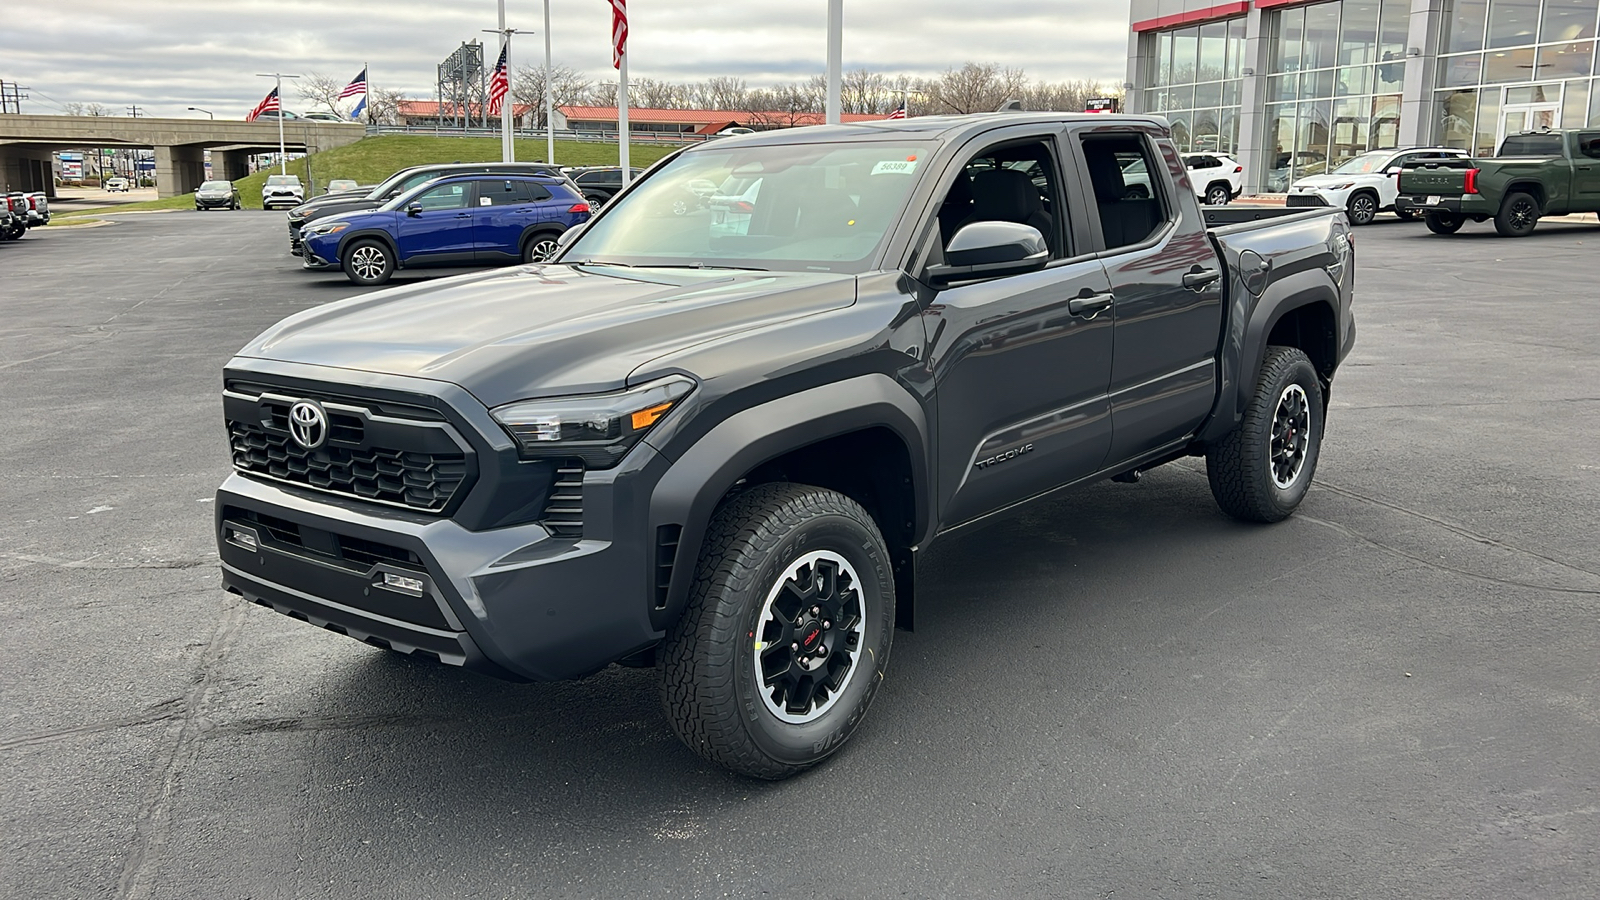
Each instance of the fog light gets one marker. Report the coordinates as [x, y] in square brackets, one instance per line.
[243, 538]
[402, 583]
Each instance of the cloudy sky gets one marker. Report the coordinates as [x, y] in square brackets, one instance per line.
[166, 55]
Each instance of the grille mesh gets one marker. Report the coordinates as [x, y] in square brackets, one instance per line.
[410, 478]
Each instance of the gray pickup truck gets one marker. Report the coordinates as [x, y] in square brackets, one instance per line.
[717, 440]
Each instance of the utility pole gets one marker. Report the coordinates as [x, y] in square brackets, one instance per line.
[11, 97]
[549, 94]
[278, 77]
[134, 111]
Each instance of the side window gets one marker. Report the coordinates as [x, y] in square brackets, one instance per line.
[1124, 171]
[1014, 182]
[536, 193]
[445, 196]
[1589, 144]
[498, 192]
[590, 177]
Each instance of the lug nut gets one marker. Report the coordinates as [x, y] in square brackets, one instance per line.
[816, 610]
[826, 624]
[822, 651]
[795, 646]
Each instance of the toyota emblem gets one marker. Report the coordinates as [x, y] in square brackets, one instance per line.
[308, 424]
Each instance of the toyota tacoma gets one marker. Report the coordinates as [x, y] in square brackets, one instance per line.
[719, 445]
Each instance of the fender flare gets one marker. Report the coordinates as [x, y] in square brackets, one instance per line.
[554, 229]
[696, 482]
[382, 236]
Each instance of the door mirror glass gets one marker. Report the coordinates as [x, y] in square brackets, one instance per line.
[990, 250]
[414, 210]
[1392, 170]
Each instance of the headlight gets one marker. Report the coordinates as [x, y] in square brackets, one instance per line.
[1341, 187]
[322, 228]
[298, 212]
[599, 428]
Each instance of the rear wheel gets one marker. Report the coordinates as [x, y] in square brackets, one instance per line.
[1443, 223]
[1260, 472]
[786, 633]
[1362, 208]
[538, 248]
[1518, 215]
[1218, 195]
[368, 263]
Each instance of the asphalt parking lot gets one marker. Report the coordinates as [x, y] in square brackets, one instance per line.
[1121, 694]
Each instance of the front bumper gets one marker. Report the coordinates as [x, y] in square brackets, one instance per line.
[523, 602]
[316, 256]
[214, 202]
[1316, 197]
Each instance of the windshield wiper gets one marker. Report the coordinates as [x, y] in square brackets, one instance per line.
[599, 262]
[704, 266]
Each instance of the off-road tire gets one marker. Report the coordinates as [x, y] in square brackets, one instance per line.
[1518, 216]
[1240, 467]
[356, 263]
[710, 689]
[1443, 223]
[1361, 208]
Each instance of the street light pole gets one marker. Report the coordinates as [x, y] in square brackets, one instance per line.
[835, 58]
[507, 150]
[277, 79]
[210, 113]
[549, 94]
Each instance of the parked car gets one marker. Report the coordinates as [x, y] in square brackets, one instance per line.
[324, 117]
[737, 129]
[1535, 174]
[1214, 179]
[282, 190]
[1305, 162]
[218, 195]
[1366, 185]
[457, 220]
[8, 222]
[277, 114]
[17, 205]
[399, 183]
[340, 186]
[1217, 179]
[38, 208]
[116, 185]
[724, 455]
[599, 183]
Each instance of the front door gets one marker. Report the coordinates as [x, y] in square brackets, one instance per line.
[1020, 363]
[1519, 117]
[1586, 170]
[442, 230]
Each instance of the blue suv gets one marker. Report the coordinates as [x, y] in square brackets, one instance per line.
[455, 220]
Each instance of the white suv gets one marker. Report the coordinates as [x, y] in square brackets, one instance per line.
[1366, 185]
[1216, 178]
[282, 190]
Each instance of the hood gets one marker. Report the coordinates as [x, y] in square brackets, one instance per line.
[1330, 179]
[538, 331]
[332, 206]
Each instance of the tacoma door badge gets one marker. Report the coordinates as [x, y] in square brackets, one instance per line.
[1013, 453]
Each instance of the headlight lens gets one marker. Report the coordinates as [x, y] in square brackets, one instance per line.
[299, 212]
[599, 429]
[322, 228]
[1341, 187]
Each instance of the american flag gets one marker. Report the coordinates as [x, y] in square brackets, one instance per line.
[270, 104]
[499, 83]
[619, 31]
[358, 85]
[900, 112]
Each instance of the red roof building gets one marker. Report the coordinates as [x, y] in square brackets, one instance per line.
[687, 121]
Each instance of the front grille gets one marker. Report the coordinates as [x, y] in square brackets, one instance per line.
[409, 478]
[1304, 200]
[563, 512]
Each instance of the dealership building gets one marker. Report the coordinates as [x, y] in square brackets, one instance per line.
[1295, 88]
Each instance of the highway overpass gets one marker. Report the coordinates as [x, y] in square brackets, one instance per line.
[26, 142]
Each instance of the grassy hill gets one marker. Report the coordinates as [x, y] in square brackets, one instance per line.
[373, 159]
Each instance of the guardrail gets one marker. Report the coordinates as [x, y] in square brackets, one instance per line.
[587, 137]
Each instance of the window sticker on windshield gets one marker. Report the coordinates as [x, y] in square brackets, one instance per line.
[895, 167]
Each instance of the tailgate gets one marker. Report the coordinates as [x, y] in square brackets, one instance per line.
[1443, 177]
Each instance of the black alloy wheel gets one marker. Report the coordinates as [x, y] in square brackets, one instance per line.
[786, 633]
[1218, 195]
[1518, 215]
[1261, 471]
[368, 263]
[1362, 208]
[1443, 223]
[539, 248]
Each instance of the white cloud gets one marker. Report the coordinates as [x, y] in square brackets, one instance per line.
[166, 55]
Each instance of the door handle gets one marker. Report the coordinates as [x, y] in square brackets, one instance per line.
[1089, 303]
[1197, 278]
[463, 215]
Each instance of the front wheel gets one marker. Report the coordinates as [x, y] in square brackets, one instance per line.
[1443, 223]
[1362, 209]
[368, 263]
[1518, 215]
[538, 248]
[1218, 195]
[786, 634]
[1261, 471]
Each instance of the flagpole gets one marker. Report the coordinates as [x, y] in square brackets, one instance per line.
[507, 153]
[549, 93]
[277, 78]
[366, 96]
[835, 58]
[622, 116]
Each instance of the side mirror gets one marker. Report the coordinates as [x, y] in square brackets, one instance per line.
[414, 210]
[990, 250]
[1392, 171]
[570, 235]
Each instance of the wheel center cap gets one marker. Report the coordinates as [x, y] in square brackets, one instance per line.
[811, 637]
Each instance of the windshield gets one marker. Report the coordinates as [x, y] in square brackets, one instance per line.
[1531, 145]
[216, 186]
[804, 207]
[1365, 164]
[283, 179]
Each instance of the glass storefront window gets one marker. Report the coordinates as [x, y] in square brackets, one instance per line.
[1228, 130]
[1213, 51]
[1568, 20]
[1280, 146]
[1283, 87]
[1575, 105]
[1386, 121]
[1350, 129]
[1460, 71]
[1513, 22]
[1565, 60]
[1457, 112]
[1322, 36]
[1358, 36]
[1235, 47]
[1508, 65]
[1463, 25]
[1291, 27]
[1354, 80]
[1317, 84]
[1208, 94]
[1212, 55]
[1185, 47]
[1164, 58]
[1206, 136]
[1488, 123]
[1395, 29]
[1594, 102]
[1311, 138]
[1181, 97]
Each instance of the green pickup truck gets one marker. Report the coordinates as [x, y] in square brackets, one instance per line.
[1541, 173]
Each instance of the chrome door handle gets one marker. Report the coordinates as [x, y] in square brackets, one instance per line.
[1090, 304]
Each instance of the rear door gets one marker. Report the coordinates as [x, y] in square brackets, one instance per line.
[504, 209]
[1021, 363]
[442, 230]
[1167, 283]
[1586, 170]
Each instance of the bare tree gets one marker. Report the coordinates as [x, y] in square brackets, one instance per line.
[85, 109]
[383, 106]
[784, 105]
[722, 92]
[865, 92]
[603, 93]
[568, 87]
[976, 88]
[321, 91]
[650, 93]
